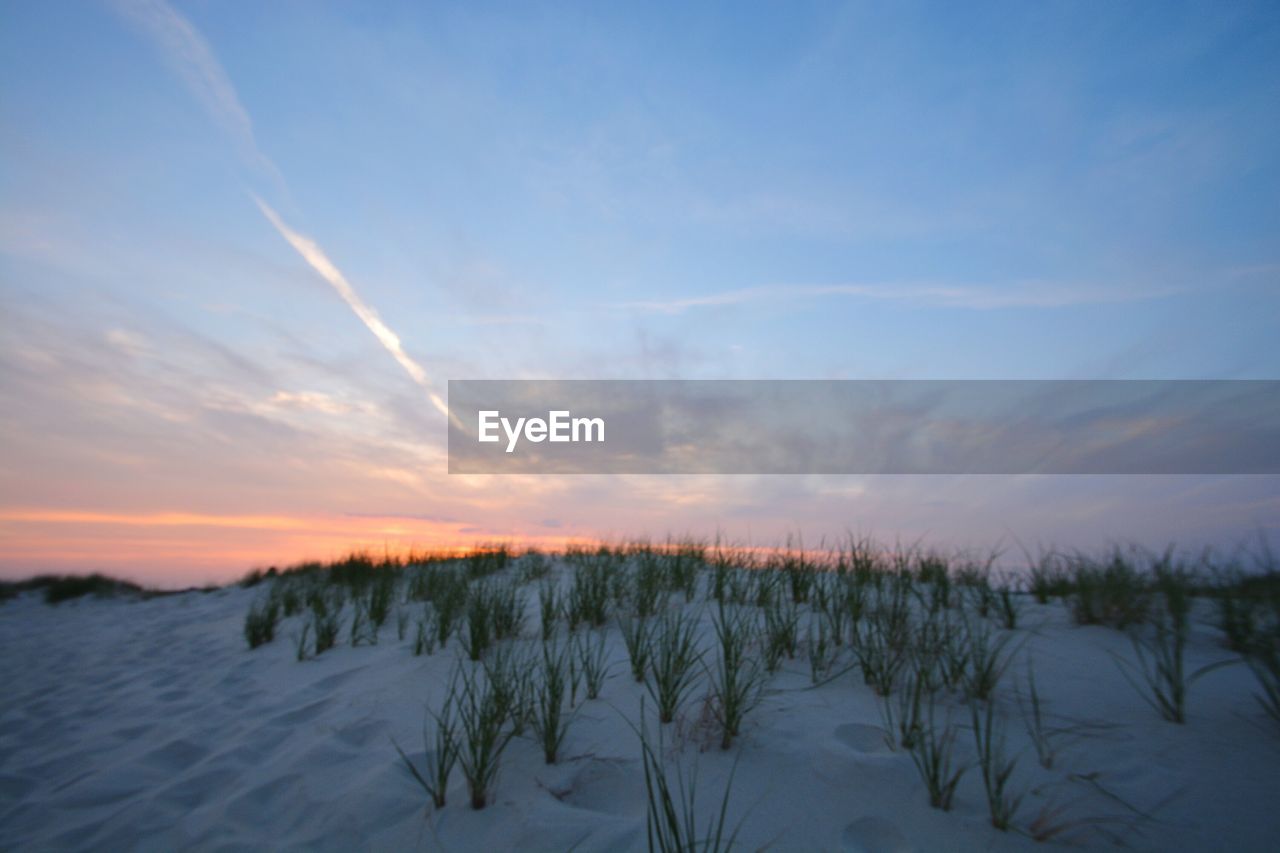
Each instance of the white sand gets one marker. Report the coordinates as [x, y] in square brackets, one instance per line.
[149, 725]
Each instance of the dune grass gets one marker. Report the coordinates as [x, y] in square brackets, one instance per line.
[1042, 735]
[1159, 673]
[646, 584]
[325, 624]
[591, 591]
[922, 630]
[424, 638]
[1009, 606]
[483, 712]
[1248, 610]
[672, 665]
[904, 712]
[442, 749]
[997, 768]
[56, 589]
[550, 720]
[1264, 661]
[881, 653]
[550, 609]
[494, 612]
[261, 621]
[590, 653]
[1048, 576]
[932, 751]
[637, 635]
[533, 566]
[1110, 591]
[737, 678]
[989, 658]
[781, 627]
[671, 818]
[821, 650]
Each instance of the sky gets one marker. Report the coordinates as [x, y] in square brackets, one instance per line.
[243, 247]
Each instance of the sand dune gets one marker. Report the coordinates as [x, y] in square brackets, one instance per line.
[148, 725]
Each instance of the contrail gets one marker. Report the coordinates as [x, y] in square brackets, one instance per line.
[319, 261]
[194, 60]
[190, 56]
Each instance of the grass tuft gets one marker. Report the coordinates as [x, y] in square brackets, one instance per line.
[997, 769]
[482, 714]
[932, 753]
[637, 635]
[260, 622]
[550, 722]
[442, 752]
[737, 680]
[1109, 592]
[671, 667]
[671, 821]
[1265, 664]
[59, 588]
[989, 659]
[590, 654]
[1159, 673]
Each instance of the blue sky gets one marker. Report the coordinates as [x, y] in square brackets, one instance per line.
[733, 191]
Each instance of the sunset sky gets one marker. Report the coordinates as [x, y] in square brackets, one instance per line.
[243, 246]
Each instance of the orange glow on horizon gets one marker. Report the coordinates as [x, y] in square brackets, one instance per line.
[184, 548]
[169, 549]
[158, 519]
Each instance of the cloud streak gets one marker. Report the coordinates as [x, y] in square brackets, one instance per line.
[194, 60]
[190, 56]
[319, 261]
[1022, 295]
[156, 519]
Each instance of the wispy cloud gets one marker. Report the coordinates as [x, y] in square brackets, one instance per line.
[319, 261]
[194, 60]
[1030, 294]
[156, 519]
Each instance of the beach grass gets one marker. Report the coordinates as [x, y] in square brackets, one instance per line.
[672, 824]
[673, 661]
[922, 630]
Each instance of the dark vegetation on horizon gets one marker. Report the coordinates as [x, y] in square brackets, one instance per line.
[59, 588]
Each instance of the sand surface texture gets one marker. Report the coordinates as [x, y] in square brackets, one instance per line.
[149, 725]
